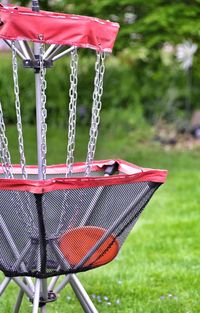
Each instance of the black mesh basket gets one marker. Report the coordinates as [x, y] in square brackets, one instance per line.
[69, 225]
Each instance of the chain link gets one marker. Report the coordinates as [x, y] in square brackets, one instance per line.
[18, 112]
[96, 108]
[4, 152]
[43, 86]
[72, 111]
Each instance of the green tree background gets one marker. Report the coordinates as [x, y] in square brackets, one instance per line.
[140, 78]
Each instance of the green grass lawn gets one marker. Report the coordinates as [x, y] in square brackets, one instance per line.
[158, 268]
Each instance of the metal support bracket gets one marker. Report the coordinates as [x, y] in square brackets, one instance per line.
[36, 63]
[52, 296]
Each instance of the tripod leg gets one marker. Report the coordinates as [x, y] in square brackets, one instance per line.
[80, 292]
[63, 283]
[4, 284]
[82, 295]
[19, 301]
[23, 286]
[53, 283]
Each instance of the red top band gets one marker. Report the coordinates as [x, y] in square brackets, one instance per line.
[20, 23]
[129, 173]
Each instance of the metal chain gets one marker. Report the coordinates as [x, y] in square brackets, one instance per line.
[43, 86]
[96, 108]
[63, 220]
[4, 152]
[72, 111]
[18, 111]
[23, 210]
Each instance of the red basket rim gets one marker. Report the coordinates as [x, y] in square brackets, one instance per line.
[129, 173]
[20, 23]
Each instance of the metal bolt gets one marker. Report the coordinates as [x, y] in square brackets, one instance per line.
[40, 36]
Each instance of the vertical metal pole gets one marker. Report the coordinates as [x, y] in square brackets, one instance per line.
[38, 115]
[35, 7]
[36, 298]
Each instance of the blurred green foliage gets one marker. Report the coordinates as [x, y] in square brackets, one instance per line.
[117, 95]
[140, 76]
[154, 22]
[144, 92]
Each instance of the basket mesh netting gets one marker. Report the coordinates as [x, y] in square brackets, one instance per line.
[69, 225]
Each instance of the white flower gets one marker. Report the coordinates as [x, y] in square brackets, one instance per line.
[129, 17]
[185, 53]
[114, 17]
[4, 2]
[167, 53]
[135, 36]
[168, 48]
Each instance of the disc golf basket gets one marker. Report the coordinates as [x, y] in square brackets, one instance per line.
[62, 219]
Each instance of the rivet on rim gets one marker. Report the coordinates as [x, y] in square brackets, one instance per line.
[40, 36]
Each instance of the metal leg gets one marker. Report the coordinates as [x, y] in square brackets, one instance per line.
[82, 295]
[4, 284]
[53, 283]
[36, 298]
[29, 282]
[80, 292]
[23, 286]
[63, 283]
[19, 301]
[14, 249]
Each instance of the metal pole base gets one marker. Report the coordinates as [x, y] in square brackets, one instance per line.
[37, 298]
[42, 302]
